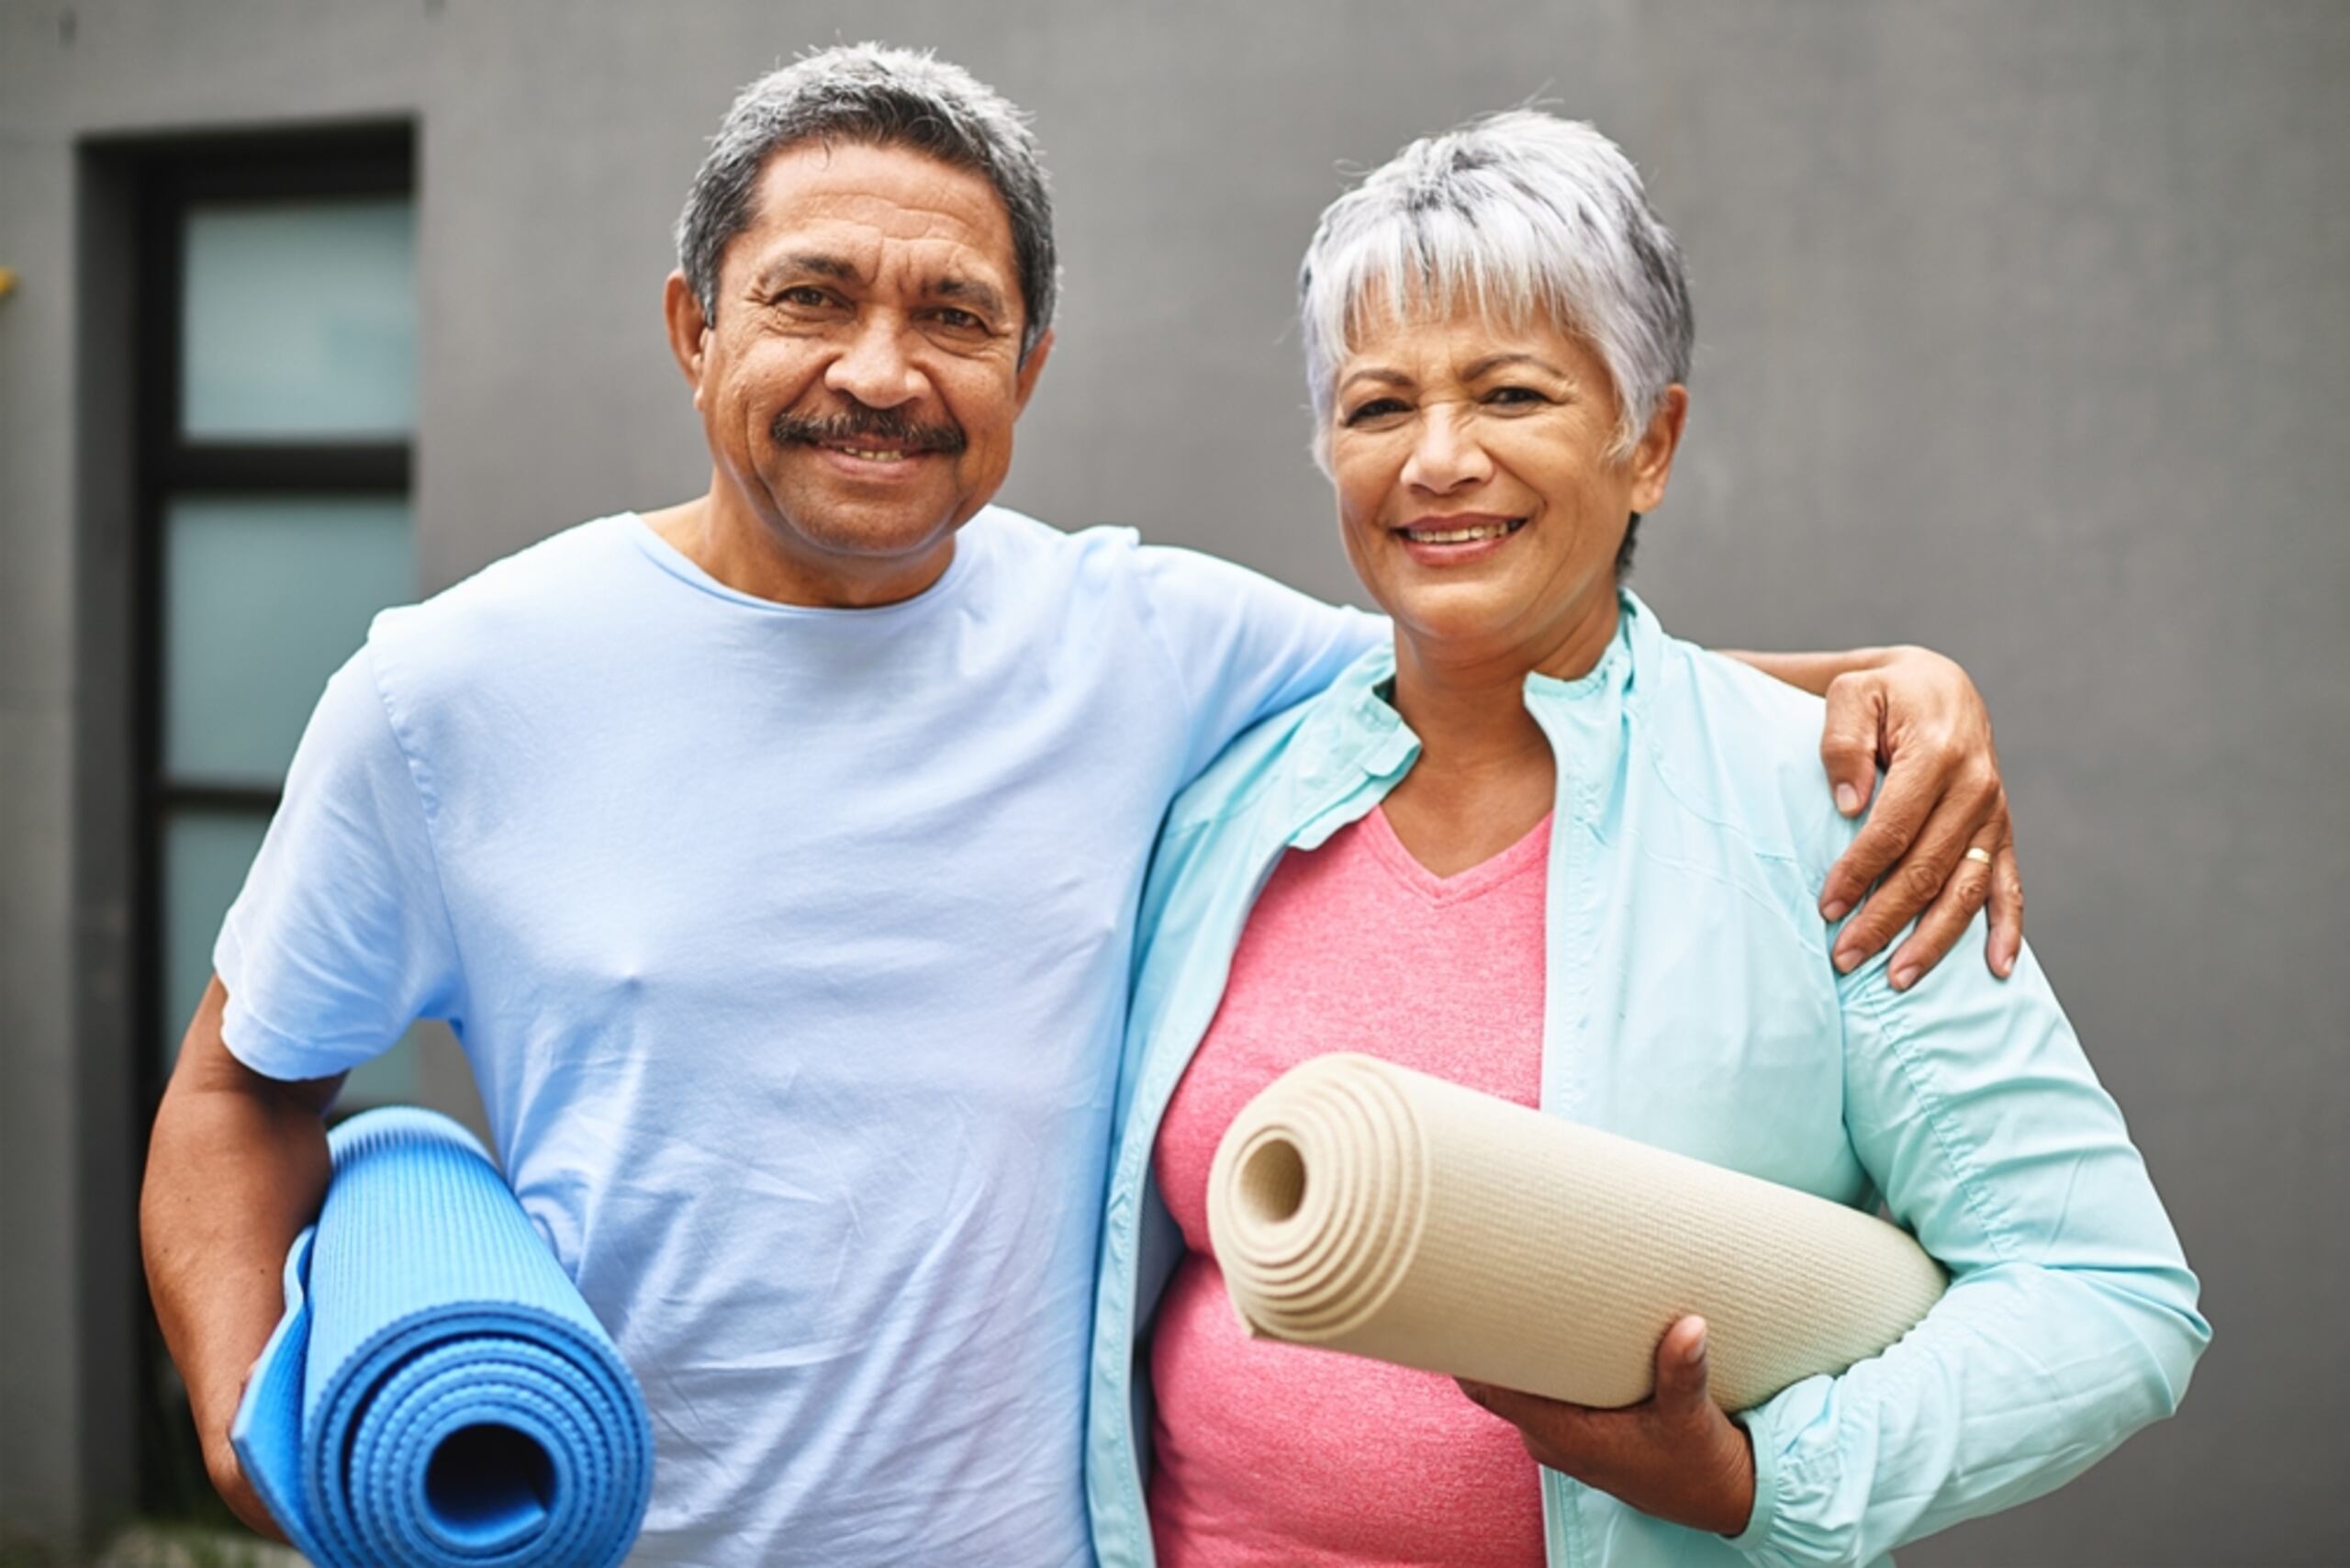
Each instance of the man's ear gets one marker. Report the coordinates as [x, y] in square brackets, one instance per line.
[1031, 368]
[689, 328]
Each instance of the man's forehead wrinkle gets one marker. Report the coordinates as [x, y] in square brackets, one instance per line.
[849, 251]
[954, 195]
[907, 196]
[915, 222]
[813, 228]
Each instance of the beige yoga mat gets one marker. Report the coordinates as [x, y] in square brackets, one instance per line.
[1361, 1206]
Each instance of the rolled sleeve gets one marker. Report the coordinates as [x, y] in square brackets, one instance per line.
[2071, 1317]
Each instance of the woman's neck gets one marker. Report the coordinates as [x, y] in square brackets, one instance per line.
[1486, 773]
[1467, 704]
[1467, 721]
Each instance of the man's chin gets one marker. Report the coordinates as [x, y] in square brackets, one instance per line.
[851, 529]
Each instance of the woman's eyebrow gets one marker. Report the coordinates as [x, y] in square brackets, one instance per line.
[1492, 362]
[1380, 374]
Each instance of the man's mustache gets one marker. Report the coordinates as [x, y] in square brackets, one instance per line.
[878, 425]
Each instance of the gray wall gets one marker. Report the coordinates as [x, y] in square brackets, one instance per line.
[2025, 332]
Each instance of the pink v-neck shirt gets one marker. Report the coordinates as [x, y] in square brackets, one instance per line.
[1277, 1456]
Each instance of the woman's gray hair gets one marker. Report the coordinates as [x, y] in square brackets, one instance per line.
[878, 97]
[1514, 212]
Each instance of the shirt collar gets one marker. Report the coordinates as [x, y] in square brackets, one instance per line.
[1356, 743]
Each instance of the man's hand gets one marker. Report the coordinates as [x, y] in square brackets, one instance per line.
[236, 1489]
[1919, 714]
[1674, 1455]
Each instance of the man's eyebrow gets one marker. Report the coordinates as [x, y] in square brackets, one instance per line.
[979, 293]
[808, 263]
[1494, 362]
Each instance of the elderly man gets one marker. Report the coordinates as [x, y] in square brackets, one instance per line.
[776, 858]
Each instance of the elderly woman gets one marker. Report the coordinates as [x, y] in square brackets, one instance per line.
[1547, 850]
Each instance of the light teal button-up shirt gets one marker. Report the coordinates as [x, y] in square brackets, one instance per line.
[1690, 1004]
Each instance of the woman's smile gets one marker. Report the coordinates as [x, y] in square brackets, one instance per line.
[1456, 540]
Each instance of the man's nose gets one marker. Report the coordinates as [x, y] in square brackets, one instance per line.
[874, 368]
[1446, 454]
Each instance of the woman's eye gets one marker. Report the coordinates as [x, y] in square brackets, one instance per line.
[1514, 397]
[1378, 408]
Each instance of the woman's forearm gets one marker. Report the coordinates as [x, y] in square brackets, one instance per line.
[2071, 1319]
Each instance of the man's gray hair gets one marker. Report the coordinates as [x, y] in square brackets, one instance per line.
[1513, 213]
[871, 95]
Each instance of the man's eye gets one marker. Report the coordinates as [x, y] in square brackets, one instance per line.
[959, 320]
[806, 297]
[1377, 408]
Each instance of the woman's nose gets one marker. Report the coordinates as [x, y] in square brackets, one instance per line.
[1446, 456]
[873, 366]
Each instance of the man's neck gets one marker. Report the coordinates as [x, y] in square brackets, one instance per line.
[741, 553]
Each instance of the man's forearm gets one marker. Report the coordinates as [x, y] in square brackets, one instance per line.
[236, 1166]
[1810, 672]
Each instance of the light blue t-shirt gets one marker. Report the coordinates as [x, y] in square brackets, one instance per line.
[790, 949]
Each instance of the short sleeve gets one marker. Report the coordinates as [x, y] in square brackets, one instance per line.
[341, 938]
[1244, 645]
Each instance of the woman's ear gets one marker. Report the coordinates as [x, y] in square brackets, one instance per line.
[1652, 457]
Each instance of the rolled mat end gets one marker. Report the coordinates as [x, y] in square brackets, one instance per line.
[437, 1392]
[1361, 1206]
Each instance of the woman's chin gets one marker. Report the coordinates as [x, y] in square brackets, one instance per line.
[1465, 616]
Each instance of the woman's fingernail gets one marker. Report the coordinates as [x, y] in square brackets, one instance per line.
[1847, 799]
[1835, 911]
[1903, 979]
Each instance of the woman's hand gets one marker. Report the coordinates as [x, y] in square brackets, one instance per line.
[1674, 1455]
[1916, 712]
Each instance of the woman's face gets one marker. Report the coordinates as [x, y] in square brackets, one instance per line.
[1478, 494]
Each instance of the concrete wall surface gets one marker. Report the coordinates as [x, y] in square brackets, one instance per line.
[2024, 332]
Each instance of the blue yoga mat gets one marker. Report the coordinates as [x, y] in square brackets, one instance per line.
[437, 1393]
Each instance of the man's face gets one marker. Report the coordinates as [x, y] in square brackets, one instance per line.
[859, 376]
